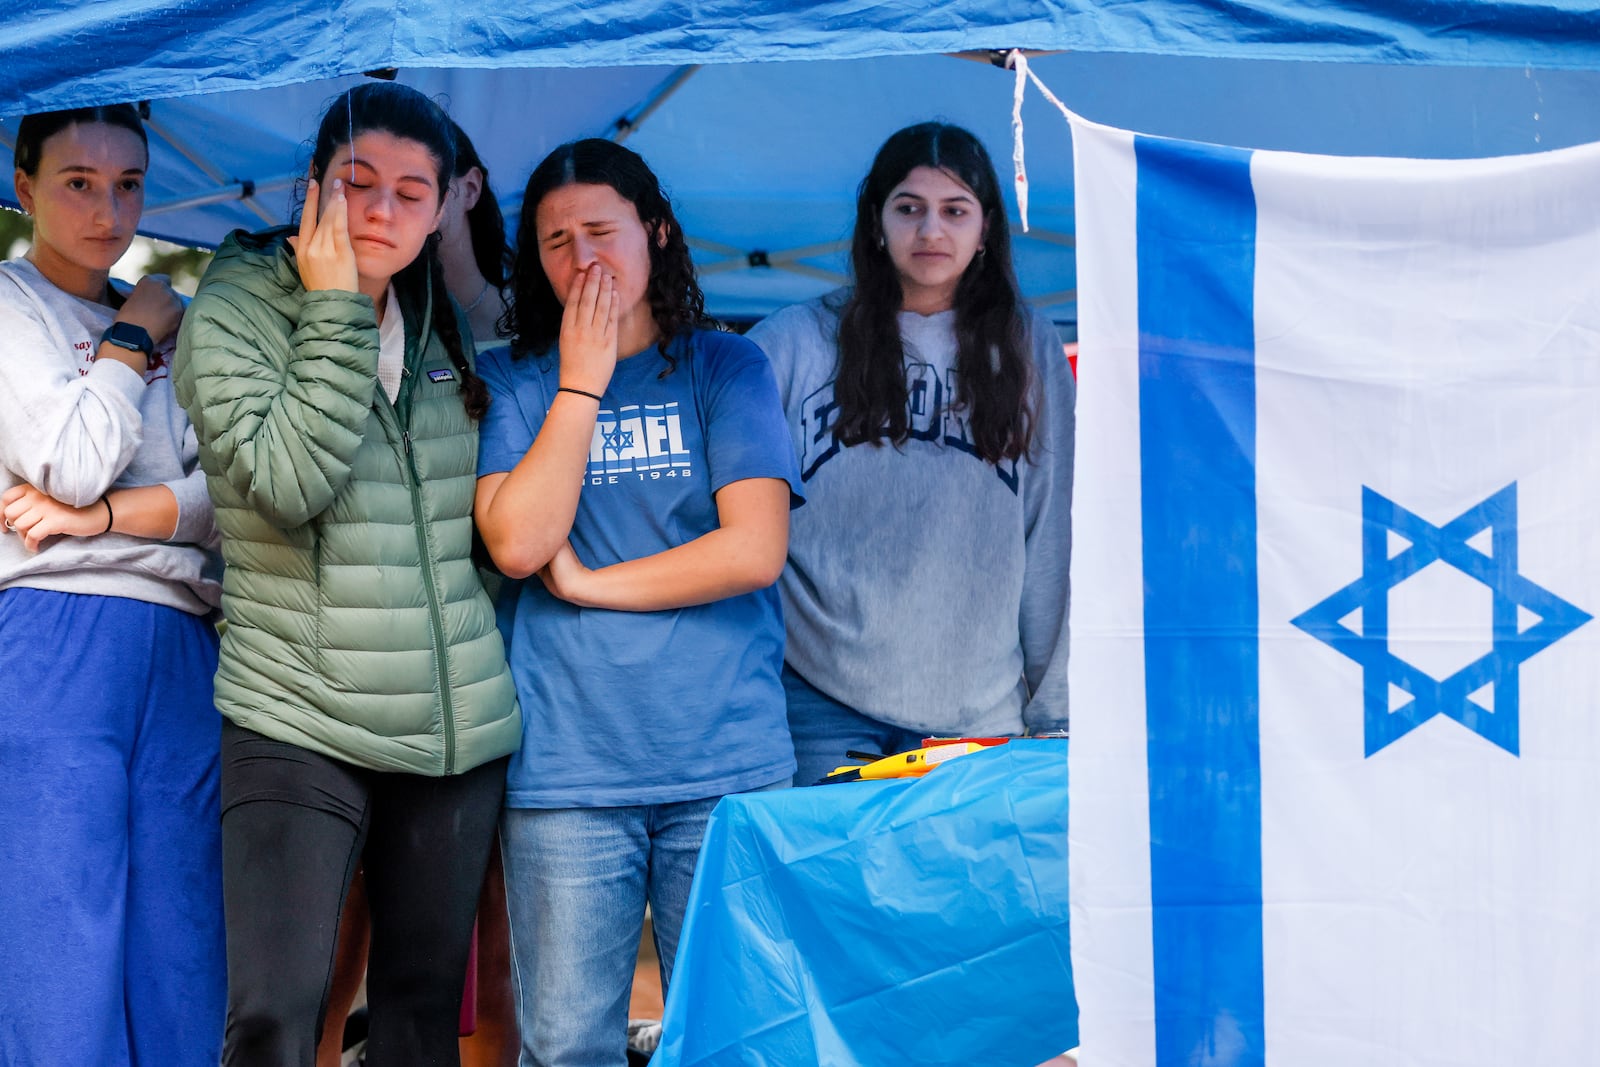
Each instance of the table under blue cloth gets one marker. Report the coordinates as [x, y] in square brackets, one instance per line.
[919, 921]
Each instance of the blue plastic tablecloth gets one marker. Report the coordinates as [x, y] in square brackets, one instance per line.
[919, 921]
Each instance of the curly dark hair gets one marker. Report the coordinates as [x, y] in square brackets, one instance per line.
[993, 366]
[676, 303]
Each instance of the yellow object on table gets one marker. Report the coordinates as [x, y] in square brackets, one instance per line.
[905, 765]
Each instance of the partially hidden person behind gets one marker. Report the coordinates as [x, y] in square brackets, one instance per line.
[110, 867]
[932, 411]
[637, 463]
[370, 710]
[472, 246]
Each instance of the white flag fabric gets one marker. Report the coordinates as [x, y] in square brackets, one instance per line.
[1335, 770]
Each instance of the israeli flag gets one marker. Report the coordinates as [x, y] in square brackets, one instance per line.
[1335, 771]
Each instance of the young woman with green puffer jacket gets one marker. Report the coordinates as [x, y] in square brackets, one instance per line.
[370, 708]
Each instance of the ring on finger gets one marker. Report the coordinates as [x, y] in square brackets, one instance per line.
[10, 526]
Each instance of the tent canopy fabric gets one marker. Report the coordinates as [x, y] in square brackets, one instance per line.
[63, 53]
[762, 158]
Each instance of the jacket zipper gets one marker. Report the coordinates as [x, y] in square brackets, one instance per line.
[446, 705]
[414, 483]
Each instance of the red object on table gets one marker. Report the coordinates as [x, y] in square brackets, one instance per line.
[986, 742]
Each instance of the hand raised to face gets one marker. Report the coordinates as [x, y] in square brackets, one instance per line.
[322, 247]
[589, 331]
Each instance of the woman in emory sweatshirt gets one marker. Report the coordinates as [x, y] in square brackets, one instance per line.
[110, 863]
[926, 591]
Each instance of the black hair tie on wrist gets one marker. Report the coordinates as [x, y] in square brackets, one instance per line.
[110, 517]
[580, 392]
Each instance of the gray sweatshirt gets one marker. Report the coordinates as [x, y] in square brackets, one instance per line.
[75, 427]
[925, 587]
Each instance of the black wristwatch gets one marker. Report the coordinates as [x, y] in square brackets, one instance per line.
[133, 338]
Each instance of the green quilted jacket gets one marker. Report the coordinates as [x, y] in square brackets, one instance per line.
[357, 625]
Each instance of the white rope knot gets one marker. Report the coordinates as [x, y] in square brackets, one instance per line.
[1019, 63]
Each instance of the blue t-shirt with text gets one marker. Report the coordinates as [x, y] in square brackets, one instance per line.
[627, 707]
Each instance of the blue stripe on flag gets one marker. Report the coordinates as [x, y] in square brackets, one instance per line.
[1196, 249]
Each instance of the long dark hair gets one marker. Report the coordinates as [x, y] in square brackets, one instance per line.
[993, 368]
[405, 113]
[485, 225]
[676, 303]
[34, 130]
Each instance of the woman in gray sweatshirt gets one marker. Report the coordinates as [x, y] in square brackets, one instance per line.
[926, 591]
[110, 865]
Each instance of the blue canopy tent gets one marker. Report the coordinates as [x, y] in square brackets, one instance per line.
[763, 156]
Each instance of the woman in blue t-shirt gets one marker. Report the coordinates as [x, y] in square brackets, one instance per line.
[639, 466]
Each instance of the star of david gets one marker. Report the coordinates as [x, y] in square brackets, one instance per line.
[618, 439]
[1496, 568]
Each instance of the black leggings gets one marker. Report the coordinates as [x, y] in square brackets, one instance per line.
[295, 825]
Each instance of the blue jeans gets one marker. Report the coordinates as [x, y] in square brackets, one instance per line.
[577, 880]
[824, 730]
